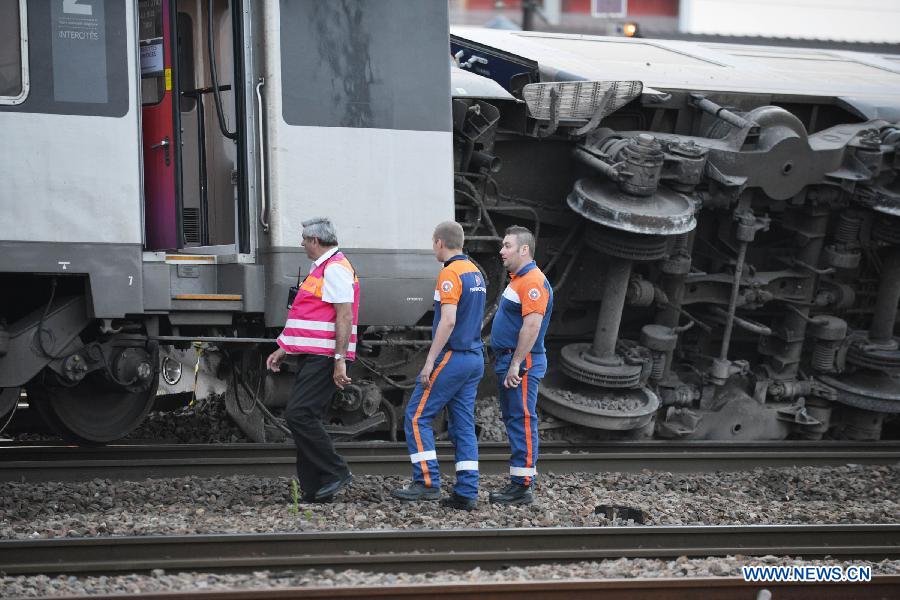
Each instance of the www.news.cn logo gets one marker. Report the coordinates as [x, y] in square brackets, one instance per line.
[808, 573]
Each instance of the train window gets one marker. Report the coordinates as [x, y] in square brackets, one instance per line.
[78, 52]
[153, 83]
[13, 52]
[77, 57]
[354, 68]
[186, 82]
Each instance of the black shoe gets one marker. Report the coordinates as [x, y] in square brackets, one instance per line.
[416, 491]
[514, 493]
[326, 492]
[458, 502]
[311, 499]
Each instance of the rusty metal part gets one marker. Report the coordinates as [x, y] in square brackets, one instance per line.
[597, 408]
[684, 166]
[642, 162]
[666, 212]
[867, 390]
[622, 244]
[577, 362]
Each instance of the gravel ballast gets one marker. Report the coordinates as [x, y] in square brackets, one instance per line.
[191, 505]
[204, 422]
[160, 581]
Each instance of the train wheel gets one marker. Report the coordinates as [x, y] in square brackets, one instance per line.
[91, 413]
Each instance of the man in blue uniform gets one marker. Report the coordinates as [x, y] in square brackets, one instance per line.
[517, 337]
[453, 368]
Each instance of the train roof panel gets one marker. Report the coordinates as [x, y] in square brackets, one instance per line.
[464, 84]
[867, 81]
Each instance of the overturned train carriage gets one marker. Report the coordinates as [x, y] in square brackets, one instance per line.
[721, 225]
[719, 222]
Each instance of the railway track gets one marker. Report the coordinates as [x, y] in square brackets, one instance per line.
[135, 462]
[699, 588]
[430, 550]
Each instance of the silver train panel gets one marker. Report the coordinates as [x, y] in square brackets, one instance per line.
[114, 270]
[396, 286]
[357, 145]
[354, 166]
[74, 176]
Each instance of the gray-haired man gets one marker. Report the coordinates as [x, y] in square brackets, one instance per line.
[321, 330]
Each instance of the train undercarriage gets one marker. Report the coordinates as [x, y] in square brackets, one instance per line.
[725, 269]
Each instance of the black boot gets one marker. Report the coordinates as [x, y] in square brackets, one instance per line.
[416, 491]
[458, 502]
[514, 493]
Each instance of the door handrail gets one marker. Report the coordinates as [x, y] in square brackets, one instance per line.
[264, 208]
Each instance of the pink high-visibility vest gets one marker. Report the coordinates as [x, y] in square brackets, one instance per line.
[310, 322]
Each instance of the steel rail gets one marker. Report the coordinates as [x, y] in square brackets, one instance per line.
[133, 462]
[414, 550]
[662, 588]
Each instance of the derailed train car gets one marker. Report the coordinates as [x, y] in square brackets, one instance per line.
[719, 222]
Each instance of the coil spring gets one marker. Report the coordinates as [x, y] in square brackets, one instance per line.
[823, 356]
[659, 366]
[847, 228]
[621, 244]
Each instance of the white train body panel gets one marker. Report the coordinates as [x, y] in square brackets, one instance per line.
[367, 179]
[69, 176]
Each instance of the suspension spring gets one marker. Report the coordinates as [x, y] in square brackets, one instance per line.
[823, 356]
[659, 365]
[847, 228]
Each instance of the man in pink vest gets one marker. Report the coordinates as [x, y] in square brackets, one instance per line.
[321, 331]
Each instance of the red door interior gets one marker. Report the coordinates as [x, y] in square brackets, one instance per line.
[160, 142]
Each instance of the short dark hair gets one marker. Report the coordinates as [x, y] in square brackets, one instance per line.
[523, 236]
[451, 233]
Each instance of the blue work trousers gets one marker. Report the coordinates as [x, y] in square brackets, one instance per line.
[518, 406]
[454, 383]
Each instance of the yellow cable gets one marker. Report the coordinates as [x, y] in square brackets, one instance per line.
[198, 347]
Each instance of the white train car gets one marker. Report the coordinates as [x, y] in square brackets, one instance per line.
[158, 158]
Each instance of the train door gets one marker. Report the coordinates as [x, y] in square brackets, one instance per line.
[161, 129]
[193, 144]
